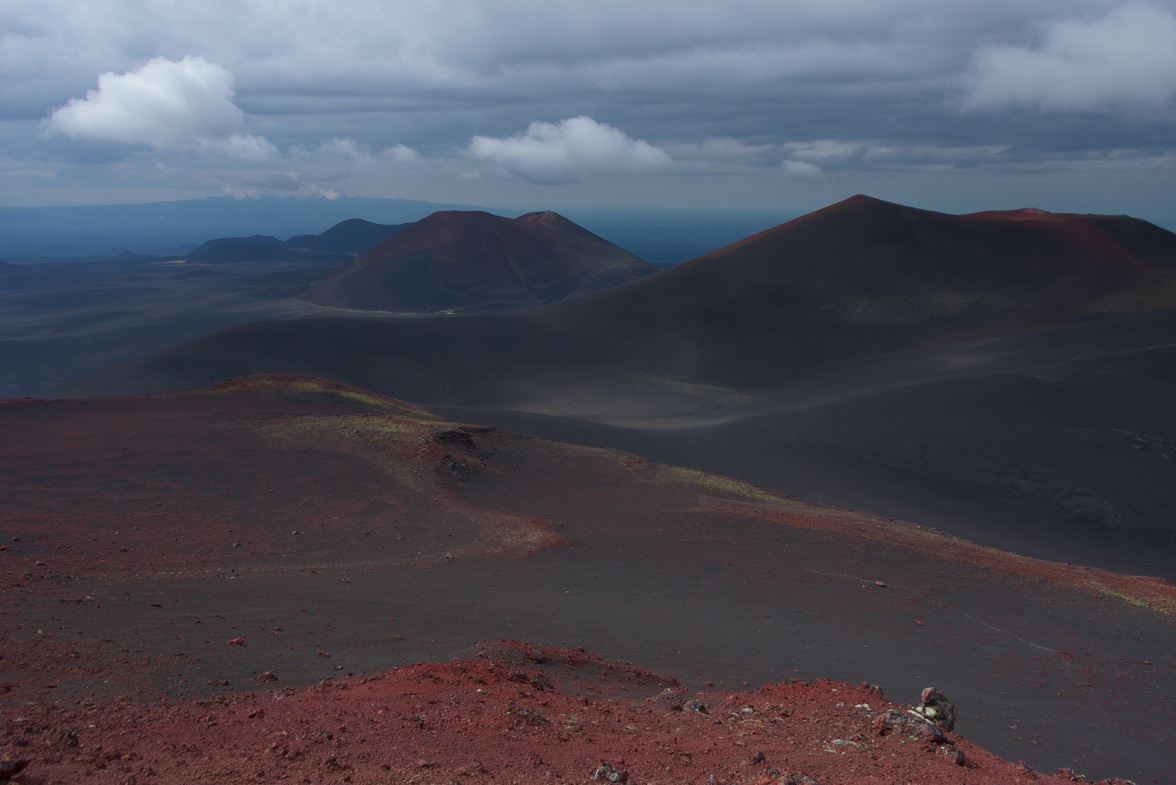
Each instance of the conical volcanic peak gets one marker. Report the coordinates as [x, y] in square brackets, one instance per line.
[354, 236]
[865, 262]
[473, 260]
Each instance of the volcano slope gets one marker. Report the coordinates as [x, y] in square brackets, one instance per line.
[197, 547]
[1004, 376]
[475, 261]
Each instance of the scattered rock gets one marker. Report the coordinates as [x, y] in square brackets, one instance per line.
[671, 699]
[607, 773]
[460, 437]
[1067, 773]
[799, 779]
[913, 725]
[953, 754]
[536, 679]
[935, 707]
[236, 641]
[757, 758]
[266, 676]
[10, 768]
[473, 769]
[529, 717]
[696, 706]
[848, 745]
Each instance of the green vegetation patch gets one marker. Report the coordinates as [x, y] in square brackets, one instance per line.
[714, 482]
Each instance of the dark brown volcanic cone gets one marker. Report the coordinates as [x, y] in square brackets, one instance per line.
[475, 260]
[865, 263]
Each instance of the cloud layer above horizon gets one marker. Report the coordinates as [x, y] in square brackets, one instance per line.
[525, 102]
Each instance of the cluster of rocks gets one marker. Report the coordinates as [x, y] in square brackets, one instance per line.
[606, 772]
[926, 723]
[676, 700]
[1073, 776]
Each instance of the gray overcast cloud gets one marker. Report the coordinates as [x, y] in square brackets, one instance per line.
[776, 104]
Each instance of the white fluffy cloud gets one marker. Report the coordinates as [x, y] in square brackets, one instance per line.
[801, 170]
[1126, 57]
[401, 154]
[566, 152]
[170, 105]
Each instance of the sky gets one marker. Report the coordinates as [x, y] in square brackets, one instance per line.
[789, 105]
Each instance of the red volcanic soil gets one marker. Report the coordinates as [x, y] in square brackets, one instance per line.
[512, 713]
[1100, 243]
[177, 572]
[475, 260]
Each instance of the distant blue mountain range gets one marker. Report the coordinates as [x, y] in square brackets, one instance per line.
[661, 236]
[174, 227]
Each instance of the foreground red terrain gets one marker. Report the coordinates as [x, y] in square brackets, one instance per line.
[240, 584]
[512, 713]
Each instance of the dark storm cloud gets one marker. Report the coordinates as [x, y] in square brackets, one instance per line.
[424, 98]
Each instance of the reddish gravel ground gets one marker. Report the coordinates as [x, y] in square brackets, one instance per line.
[511, 714]
[164, 560]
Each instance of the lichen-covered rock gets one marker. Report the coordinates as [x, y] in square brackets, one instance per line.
[934, 706]
[608, 773]
[800, 779]
[915, 726]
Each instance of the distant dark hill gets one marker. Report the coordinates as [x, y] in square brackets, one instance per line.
[260, 248]
[353, 236]
[160, 228]
[343, 240]
[456, 260]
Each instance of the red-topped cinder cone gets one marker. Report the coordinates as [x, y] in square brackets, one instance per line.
[868, 263]
[473, 260]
